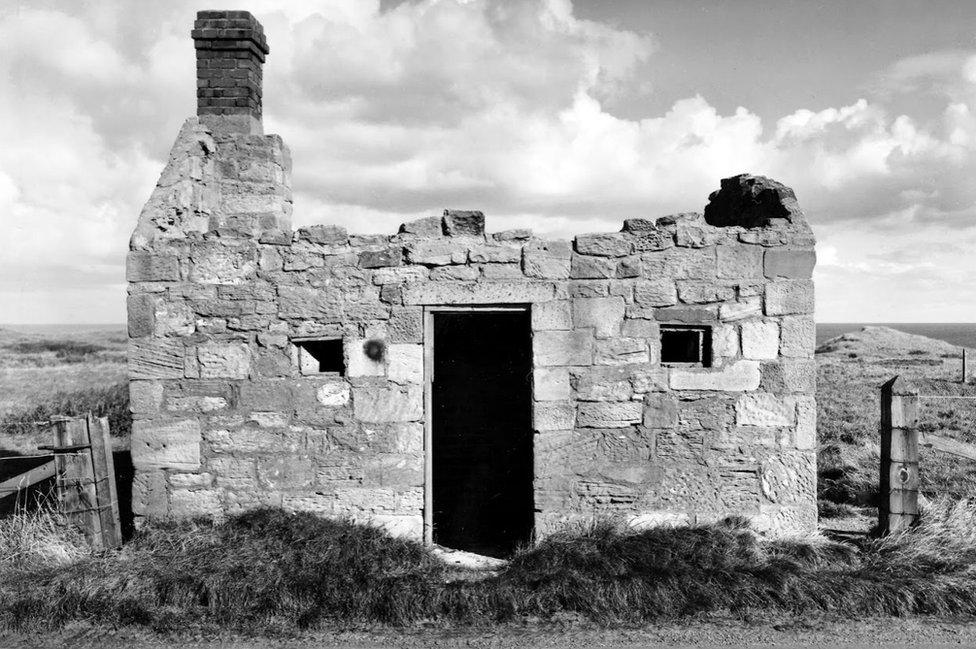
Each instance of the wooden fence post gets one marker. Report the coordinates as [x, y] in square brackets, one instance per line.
[898, 497]
[103, 472]
[75, 477]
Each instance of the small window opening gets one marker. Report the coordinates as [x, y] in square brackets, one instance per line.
[686, 345]
[317, 356]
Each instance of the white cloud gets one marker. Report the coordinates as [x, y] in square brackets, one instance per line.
[479, 104]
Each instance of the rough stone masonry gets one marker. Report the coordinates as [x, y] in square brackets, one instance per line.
[230, 413]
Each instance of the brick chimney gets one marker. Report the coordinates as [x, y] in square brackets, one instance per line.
[230, 52]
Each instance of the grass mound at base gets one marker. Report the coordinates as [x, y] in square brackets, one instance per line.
[272, 570]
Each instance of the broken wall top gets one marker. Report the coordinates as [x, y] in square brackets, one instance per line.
[233, 186]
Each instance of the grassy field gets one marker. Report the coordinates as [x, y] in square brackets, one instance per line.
[59, 371]
[271, 571]
[851, 370]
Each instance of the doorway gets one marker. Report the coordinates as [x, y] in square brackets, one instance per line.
[480, 495]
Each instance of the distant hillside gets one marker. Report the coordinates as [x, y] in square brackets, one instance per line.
[884, 342]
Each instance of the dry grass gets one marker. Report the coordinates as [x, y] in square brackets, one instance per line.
[34, 366]
[270, 571]
[38, 538]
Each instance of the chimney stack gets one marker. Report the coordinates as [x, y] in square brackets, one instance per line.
[230, 52]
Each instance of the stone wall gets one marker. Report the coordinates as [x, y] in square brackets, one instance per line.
[229, 413]
[226, 418]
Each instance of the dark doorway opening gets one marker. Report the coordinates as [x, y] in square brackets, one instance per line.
[481, 452]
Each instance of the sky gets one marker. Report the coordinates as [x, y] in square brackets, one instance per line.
[565, 117]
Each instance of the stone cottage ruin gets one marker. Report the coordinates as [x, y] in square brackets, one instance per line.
[475, 390]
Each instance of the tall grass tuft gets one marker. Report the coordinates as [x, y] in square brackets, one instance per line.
[39, 538]
[106, 401]
[270, 570]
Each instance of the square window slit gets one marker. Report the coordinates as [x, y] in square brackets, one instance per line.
[321, 356]
[686, 345]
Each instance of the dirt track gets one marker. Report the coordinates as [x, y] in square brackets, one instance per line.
[917, 633]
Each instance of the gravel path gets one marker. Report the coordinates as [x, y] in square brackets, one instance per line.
[916, 633]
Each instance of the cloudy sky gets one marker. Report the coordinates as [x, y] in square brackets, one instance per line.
[564, 117]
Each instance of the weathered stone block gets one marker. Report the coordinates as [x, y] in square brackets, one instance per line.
[399, 275]
[405, 363]
[553, 315]
[629, 267]
[324, 304]
[680, 263]
[173, 318]
[358, 364]
[554, 415]
[806, 422]
[430, 226]
[185, 503]
[648, 240]
[436, 252]
[764, 410]
[604, 245]
[166, 445]
[406, 325]
[739, 261]
[328, 235]
[190, 480]
[455, 273]
[735, 377]
[655, 292]
[478, 293]
[699, 292]
[591, 288]
[788, 297]
[583, 267]
[789, 478]
[686, 314]
[215, 264]
[556, 348]
[141, 315]
[790, 375]
[392, 256]
[270, 419]
[543, 265]
[155, 358]
[603, 383]
[375, 404]
[604, 314]
[621, 351]
[285, 472]
[798, 336]
[615, 414]
[789, 263]
[725, 342]
[224, 360]
[145, 397]
[745, 308]
[489, 254]
[464, 223]
[640, 328]
[760, 339]
[649, 379]
[145, 266]
[149, 493]
[660, 411]
[333, 394]
[551, 384]
[406, 527]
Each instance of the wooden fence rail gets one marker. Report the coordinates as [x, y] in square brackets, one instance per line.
[84, 472]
